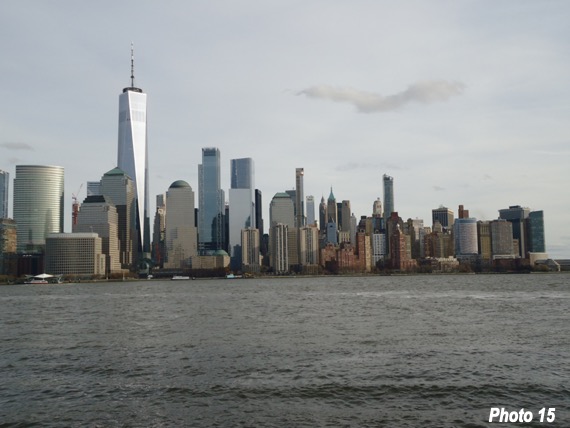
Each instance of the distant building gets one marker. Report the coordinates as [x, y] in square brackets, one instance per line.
[242, 212]
[211, 214]
[484, 240]
[279, 248]
[98, 215]
[8, 246]
[181, 240]
[4, 187]
[281, 210]
[159, 231]
[535, 228]
[119, 189]
[300, 218]
[388, 186]
[444, 216]
[465, 233]
[310, 204]
[74, 254]
[517, 216]
[38, 205]
[502, 239]
[250, 254]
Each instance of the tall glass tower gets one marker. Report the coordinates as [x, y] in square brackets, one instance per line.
[38, 205]
[242, 206]
[388, 197]
[133, 152]
[4, 183]
[211, 202]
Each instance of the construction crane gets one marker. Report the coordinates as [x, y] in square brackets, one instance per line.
[75, 207]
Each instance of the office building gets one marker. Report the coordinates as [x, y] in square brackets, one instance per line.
[388, 186]
[377, 208]
[93, 188]
[281, 210]
[98, 215]
[181, 239]
[308, 246]
[159, 231]
[517, 216]
[242, 206]
[38, 205]
[8, 246]
[279, 248]
[444, 216]
[484, 246]
[118, 188]
[310, 207]
[75, 254]
[250, 260]
[4, 187]
[211, 203]
[133, 154]
[535, 227]
[502, 245]
[332, 209]
[322, 215]
[300, 198]
[465, 234]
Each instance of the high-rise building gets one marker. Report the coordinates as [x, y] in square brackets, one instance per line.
[310, 205]
[377, 208]
[535, 226]
[4, 186]
[38, 204]
[388, 183]
[281, 210]
[300, 198]
[8, 246]
[98, 215]
[309, 246]
[159, 231]
[118, 188]
[133, 154]
[242, 206]
[322, 215]
[181, 235]
[517, 216]
[278, 248]
[250, 250]
[502, 239]
[444, 215]
[332, 209]
[484, 239]
[259, 221]
[93, 188]
[465, 233]
[345, 217]
[211, 202]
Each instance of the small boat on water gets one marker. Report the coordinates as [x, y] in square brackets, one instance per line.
[179, 277]
[43, 278]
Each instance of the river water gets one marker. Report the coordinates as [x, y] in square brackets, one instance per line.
[399, 351]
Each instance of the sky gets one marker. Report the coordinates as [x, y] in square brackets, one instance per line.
[461, 102]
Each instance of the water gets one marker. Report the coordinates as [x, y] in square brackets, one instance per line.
[399, 351]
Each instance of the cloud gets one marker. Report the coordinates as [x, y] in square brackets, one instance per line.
[355, 165]
[438, 188]
[17, 146]
[368, 102]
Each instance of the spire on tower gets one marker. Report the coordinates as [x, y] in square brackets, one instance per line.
[132, 65]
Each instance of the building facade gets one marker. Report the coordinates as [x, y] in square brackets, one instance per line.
[38, 205]
[4, 187]
[181, 239]
[132, 155]
[242, 209]
[211, 202]
[75, 254]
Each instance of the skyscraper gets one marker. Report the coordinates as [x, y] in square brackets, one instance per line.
[211, 203]
[535, 226]
[38, 205]
[388, 197]
[133, 153]
[310, 200]
[242, 206]
[300, 197]
[4, 183]
[181, 239]
[517, 216]
[281, 210]
[444, 215]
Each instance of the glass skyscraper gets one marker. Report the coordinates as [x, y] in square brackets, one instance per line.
[211, 202]
[242, 206]
[4, 186]
[388, 196]
[38, 205]
[133, 153]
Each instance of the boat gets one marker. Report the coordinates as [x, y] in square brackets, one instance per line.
[43, 278]
[179, 277]
[232, 276]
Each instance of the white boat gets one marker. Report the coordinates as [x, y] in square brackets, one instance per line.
[179, 277]
[43, 278]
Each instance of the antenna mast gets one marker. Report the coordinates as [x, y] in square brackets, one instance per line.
[132, 66]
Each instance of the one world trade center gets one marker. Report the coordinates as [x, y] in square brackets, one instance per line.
[133, 153]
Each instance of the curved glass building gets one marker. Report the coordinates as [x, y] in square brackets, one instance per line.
[38, 205]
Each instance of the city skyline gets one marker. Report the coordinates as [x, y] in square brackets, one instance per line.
[488, 132]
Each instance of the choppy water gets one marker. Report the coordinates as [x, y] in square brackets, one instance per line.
[416, 351]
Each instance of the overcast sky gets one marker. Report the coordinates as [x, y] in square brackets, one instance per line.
[462, 102]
